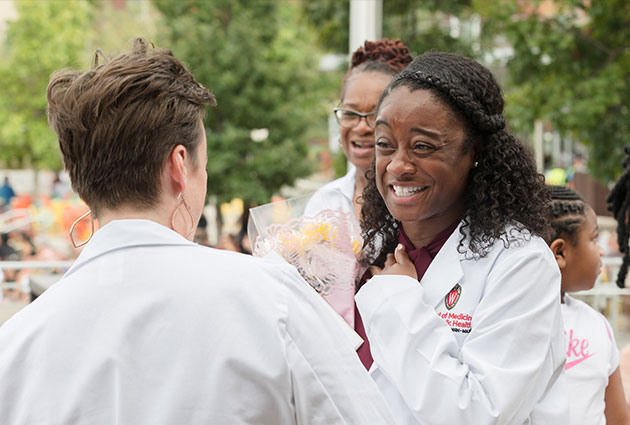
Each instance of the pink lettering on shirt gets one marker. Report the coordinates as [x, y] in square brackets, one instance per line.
[577, 351]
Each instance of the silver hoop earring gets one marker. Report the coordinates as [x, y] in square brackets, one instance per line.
[476, 163]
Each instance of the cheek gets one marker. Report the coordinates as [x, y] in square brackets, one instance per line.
[380, 171]
[345, 136]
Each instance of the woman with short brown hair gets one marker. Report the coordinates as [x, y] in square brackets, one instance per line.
[147, 327]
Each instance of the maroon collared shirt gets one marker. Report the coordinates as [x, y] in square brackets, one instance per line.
[421, 258]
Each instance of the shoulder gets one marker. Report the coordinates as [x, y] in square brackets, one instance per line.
[580, 307]
[579, 314]
[344, 184]
[517, 258]
[514, 242]
[336, 194]
[243, 265]
[331, 185]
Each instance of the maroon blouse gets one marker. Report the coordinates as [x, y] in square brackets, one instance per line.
[421, 258]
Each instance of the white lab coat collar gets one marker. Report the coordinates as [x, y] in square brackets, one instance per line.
[444, 271]
[119, 234]
[346, 183]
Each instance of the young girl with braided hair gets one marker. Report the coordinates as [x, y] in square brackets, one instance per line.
[372, 67]
[596, 394]
[463, 310]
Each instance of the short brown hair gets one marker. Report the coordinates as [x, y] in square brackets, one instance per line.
[118, 122]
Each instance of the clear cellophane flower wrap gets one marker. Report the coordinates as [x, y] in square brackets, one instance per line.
[323, 246]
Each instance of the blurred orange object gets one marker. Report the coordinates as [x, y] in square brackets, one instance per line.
[21, 201]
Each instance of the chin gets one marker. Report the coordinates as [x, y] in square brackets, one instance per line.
[361, 164]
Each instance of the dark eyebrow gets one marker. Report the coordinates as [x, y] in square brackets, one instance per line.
[414, 129]
[425, 132]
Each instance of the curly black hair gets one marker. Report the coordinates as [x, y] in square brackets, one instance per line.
[567, 211]
[619, 204]
[504, 188]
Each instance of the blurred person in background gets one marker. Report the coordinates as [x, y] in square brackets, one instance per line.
[619, 205]
[148, 327]
[6, 194]
[7, 253]
[201, 232]
[59, 189]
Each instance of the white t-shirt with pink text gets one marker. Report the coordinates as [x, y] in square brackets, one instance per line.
[592, 356]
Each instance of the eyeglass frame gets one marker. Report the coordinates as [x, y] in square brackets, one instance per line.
[359, 114]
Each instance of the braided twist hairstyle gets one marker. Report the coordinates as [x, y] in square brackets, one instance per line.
[504, 188]
[567, 214]
[619, 204]
[385, 56]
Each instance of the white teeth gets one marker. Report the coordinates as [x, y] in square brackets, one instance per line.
[406, 191]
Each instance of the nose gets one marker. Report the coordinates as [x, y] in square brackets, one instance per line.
[362, 127]
[400, 163]
[600, 250]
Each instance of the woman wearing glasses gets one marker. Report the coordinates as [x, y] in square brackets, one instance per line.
[371, 69]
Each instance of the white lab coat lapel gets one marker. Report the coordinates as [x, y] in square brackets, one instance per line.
[444, 272]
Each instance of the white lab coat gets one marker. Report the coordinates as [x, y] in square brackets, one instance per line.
[335, 195]
[149, 328]
[499, 359]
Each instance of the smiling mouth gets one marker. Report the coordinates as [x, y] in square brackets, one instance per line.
[405, 191]
[365, 145]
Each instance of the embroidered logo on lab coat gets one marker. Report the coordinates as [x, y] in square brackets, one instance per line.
[452, 297]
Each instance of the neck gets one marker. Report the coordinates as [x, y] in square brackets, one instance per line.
[129, 213]
[421, 233]
[359, 181]
[420, 237]
[359, 184]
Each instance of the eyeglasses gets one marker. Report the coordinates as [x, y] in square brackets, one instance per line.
[347, 118]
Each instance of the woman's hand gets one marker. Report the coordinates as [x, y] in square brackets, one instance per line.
[397, 263]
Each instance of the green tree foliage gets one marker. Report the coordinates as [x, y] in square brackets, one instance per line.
[46, 36]
[260, 63]
[114, 25]
[420, 24]
[570, 67]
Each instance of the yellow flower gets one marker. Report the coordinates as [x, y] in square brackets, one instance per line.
[314, 233]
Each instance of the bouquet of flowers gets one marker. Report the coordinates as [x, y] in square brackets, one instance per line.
[323, 247]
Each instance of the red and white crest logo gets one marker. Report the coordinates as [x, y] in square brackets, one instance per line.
[453, 296]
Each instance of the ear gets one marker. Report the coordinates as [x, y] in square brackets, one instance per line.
[476, 145]
[559, 247]
[177, 169]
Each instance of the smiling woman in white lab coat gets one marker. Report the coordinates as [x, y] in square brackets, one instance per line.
[148, 327]
[462, 313]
